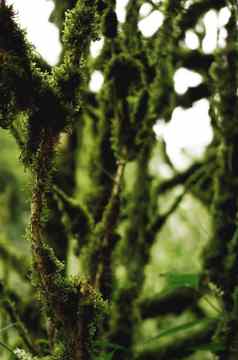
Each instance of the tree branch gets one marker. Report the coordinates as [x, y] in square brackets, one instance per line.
[193, 94]
[106, 238]
[160, 220]
[178, 179]
[173, 302]
[194, 60]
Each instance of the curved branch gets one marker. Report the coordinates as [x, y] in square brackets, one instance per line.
[174, 302]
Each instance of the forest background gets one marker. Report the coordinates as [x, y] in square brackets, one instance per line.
[118, 183]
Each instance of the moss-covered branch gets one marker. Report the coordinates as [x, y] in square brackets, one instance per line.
[173, 302]
[221, 259]
[108, 237]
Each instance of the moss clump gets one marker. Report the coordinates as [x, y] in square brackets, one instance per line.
[14, 88]
[80, 26]
[15, 84]
[47, 115]
[125, 72]
[11, 37]
[68, 79]
[142, 127]
[49, 110]
[51, 264]
[79, 311]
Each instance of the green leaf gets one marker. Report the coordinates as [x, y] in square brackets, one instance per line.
[108, 356]
[176, 280]
[108, 345]
[7, 348]
[213, 347]
[7, 327]
[180, 328]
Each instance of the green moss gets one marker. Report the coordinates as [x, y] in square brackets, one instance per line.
[68, 79]
[48, 114]
[15, 74]
[58, 14]
[12, 39]
[51, 264]
[77, 304]
[80, 26]
[15, 88]
[140, 120]
[113, 126]
[126, 74]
